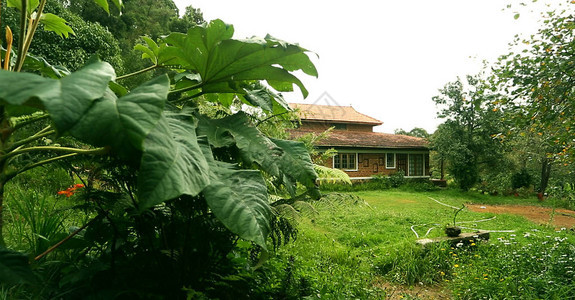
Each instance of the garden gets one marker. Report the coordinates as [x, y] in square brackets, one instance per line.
[148, 158]
[362, 245]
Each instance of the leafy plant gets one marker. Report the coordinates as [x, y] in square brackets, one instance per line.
[171, 165]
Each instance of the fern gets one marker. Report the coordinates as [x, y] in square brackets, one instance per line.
[329, 175]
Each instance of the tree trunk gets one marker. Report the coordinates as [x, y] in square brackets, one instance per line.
[545, 174]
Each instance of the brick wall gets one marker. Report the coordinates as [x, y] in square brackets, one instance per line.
[369, 168]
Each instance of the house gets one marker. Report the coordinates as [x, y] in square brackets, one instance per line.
[361, 152]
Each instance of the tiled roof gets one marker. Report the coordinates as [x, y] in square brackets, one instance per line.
[358, 139]
[331, 113]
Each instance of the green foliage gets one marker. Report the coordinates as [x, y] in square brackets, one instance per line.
[538, 80]
[89, 39]
[397, 179]
[349, 248]
[521, 179]
[329, 175]
[416, 132]
[230, 60]
[165, 206]
[534, 268]
[466, 141]
[412, 264]
[14, 268]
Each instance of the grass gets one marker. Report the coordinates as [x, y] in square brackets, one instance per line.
[348, 249]
[361, 245]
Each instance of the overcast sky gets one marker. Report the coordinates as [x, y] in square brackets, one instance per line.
[385, 58]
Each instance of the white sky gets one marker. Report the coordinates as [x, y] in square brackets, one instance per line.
[385, 58]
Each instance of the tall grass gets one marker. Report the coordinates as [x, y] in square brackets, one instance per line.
[34, 221]
[350, 246]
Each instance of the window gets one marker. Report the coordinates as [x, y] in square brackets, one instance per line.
[390, 161]
[416, 165]
[339, 126]
[346, 161]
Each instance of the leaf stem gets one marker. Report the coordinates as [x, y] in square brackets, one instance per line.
[272, 116]
[23, 20]
[37, 164]
[150, 68]
[30, 34]
[56, 149]
[25, 141]
[54, 247]
[30, 121]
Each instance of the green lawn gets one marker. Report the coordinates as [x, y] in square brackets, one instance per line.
[359, 250]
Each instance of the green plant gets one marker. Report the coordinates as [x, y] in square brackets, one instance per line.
[521, 179]
[411, 264]
[397, 179]
[182, 186]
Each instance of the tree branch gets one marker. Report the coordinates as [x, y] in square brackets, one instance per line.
[51, 249]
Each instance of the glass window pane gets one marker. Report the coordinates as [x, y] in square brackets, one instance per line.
[390, 160]
[344, 161]
[352, 161]
[336, 161]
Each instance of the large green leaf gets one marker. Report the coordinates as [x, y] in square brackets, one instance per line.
[260, 96]
[67, 99]
[172, 162]
[239, 199]
[296, 164]
[15, 268]
[104, 4]
[56, 24]
[288, 161]
[31, 5]
[154, 52]
[124, 123]
[222, 62]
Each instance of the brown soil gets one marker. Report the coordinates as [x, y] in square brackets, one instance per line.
[424, 292]
[540, 215]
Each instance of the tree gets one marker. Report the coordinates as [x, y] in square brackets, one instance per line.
[192, 16]
[466, 141]
[416, 132]
[538, 82]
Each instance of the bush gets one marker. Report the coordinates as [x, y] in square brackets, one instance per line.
[397, 179]
[521, 179]
[419, 185]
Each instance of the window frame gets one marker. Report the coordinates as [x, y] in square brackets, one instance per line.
[347, 160]
[394, 161]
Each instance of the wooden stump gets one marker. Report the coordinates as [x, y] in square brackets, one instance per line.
[464, 238]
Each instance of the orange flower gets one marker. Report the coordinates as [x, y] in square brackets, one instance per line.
[70, 191]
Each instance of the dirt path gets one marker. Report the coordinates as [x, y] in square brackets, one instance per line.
[540, 215]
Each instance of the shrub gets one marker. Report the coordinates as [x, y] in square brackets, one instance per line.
[397, 179]
[521, 179]
[419, 185]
